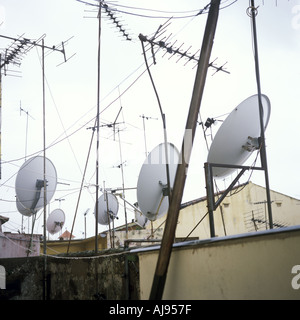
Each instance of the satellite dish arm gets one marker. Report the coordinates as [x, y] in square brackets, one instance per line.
[39, 185]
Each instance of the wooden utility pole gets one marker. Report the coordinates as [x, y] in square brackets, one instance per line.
[186, 149]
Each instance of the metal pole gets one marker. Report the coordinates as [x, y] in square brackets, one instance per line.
[98, 113]
[210, 198]
[123, 185]
[263, 153]
[146, 153]
[173, 212]
[45, 184]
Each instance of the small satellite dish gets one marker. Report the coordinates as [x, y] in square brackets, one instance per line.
[55, 221]
[108, 207]
[29, 184]
[152, 181]
[238, 136]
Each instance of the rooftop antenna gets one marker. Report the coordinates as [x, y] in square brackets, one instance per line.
[123, 183]
[85, 213]
[20, 47]
[11, 56]
[263, 153]
[113, 125]
[111, 15]
[26, 136]
[163, 117]
[99, 5]
[26, 139]
[171, 48]
[115, 21]
[144, 128]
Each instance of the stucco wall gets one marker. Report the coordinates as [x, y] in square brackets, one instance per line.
[252, 266]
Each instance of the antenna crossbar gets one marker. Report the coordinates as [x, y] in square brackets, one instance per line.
[171, 49]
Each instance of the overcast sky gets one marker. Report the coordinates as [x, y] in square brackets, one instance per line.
[71, 94]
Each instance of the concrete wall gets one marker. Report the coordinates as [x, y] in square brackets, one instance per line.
[16, 245]
[261, 265]
[252, 266]
[113, 277]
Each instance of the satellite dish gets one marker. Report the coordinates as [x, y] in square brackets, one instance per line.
[140, 219]
[24, 211]
[55, 221]
[108, 207]
[29, 184]
[152, 181]
[238, 136]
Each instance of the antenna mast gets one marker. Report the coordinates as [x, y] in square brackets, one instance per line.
[263, 153]
[98, 123]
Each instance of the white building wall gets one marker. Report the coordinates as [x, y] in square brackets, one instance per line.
[244, 210]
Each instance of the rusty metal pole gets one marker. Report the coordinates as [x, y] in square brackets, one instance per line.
[186, 149]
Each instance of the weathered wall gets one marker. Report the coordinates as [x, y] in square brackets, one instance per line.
[243, 210]
[262, 265]
[113, 277]
[14, 245]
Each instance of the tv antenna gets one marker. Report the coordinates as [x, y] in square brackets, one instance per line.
[19, 47]
[121, 165]
[99, 5]
[113, 124]
[84, 214]
[26, 136]
[111, 15]
[144, 128]
[174, 50]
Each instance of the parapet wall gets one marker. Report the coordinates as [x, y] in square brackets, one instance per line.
[113, 276]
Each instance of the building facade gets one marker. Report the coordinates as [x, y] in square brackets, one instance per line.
[243, 210]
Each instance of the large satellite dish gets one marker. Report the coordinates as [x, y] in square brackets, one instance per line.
[152, 181]
[238, 136]
[108, 207]
[29, 184]
[55, 221]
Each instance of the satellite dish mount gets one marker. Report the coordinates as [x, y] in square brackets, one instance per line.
[250, 145]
